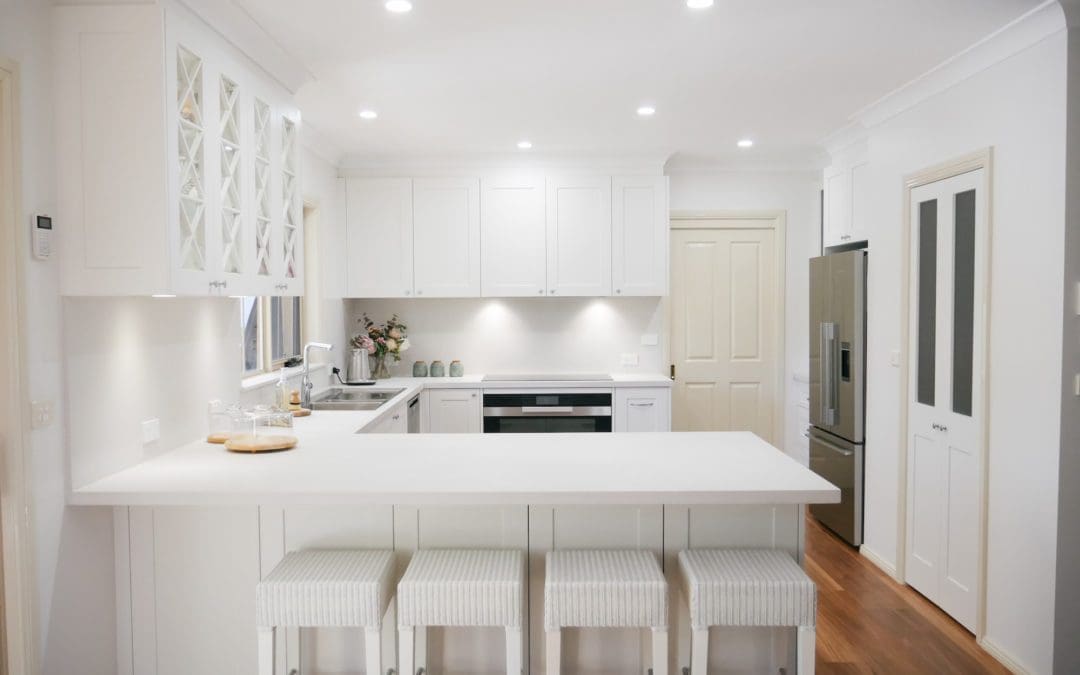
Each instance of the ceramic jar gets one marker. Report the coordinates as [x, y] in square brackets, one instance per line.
[438, 369]
[420, 369]
[456, 369]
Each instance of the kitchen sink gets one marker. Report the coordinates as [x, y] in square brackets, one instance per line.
[353, 399]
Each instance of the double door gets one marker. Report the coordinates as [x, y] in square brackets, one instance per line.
[945, 391]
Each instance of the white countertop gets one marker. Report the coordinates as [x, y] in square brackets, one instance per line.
[335, 465]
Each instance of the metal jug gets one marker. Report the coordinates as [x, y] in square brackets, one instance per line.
[357, 369]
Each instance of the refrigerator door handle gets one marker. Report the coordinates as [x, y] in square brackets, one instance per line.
[829, 391]
[835, 448]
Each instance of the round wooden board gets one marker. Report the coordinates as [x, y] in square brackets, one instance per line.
[302, 412]
[256, 444]
[217, 438]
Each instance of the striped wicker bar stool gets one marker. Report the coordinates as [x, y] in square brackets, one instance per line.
[325, 588]
[605, 589]
[462, 588]
[747, 587]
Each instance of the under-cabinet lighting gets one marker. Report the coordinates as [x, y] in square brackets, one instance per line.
[163, 295]
[398, 6]
[699, 4]
[646, 111]
[368, 114]
[745, 143]
[525, 145]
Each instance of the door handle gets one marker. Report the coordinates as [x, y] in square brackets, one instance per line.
[828, 374]
[939, 427]
[547, 410]
[834, 448]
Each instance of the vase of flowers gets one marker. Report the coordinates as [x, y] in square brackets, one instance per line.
[383, 342]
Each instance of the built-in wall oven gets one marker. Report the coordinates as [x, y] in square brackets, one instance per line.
[547, 412]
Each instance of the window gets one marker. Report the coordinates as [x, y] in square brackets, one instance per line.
[272, 332]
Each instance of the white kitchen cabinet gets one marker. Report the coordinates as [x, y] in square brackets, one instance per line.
[639, 235]
[446, 237]
[642, 409]
[379, 233]
[160, 179]
[513, 236]
[847, 200]
[579, 235]
[395, 421]
[452, 411]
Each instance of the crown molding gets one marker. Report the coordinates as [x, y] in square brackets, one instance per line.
[237, 27]
[800, 163]
[1029, 29]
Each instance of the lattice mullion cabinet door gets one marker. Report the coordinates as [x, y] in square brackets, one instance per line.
[260, 184]
[292, 206]
[191, 108]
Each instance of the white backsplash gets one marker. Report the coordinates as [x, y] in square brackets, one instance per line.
[525, 335]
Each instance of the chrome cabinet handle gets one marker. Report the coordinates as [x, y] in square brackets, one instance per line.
[547, 410]
[646, 404]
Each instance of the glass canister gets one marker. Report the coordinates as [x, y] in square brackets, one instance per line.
[268, 421]
[219, 418]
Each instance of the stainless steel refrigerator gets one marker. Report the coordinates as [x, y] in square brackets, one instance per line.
[838, 386]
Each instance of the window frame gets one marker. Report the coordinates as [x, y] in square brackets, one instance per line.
[265, 337]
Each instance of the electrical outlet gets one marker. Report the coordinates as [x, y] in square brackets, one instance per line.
[894, 358]
[650, 340]
[41, 414]
[151, 430]
[629, 359]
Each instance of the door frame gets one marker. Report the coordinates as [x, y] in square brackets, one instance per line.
[724, 219]
[980, 159]
[19, 622]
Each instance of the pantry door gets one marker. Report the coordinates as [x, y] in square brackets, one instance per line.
[946, 390]
[726, 309]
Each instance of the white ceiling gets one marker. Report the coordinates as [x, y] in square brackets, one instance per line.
[473, 77]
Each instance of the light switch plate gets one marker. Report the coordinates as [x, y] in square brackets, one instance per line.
[151, 430]
[894, 358]
[41, 414]
[628, 359]
[1076, 384]
[650, 340]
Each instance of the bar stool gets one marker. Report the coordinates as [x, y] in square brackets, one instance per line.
[325, 588]
[462, 588]
[605, 589]
[747, 587]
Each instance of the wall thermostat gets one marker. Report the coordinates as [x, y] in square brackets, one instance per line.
[42, 240]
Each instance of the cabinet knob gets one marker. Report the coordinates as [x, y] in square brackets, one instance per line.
[419, 292]
[552, 291]
[407, 292]
[618, 291]
[541, 291]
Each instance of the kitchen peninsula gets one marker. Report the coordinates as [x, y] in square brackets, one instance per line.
[198, 526]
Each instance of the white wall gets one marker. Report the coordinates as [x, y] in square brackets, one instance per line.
[799, 194]
[525, 335]
[1018, 107]
[73, 547]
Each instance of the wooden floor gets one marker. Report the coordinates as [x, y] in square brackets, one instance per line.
[867, 623]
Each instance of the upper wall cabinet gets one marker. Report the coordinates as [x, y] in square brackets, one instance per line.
[510, 234]
[379, 218]
[513, 236]
[179, 161]
[639, 235]
[846, 199]
[579, 235]
[446, 237]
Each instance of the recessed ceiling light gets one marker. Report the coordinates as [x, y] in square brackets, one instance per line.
[646, 111]
[368, 114]
[746, 143]
[525, 145]
[699, 4]
[401, 6]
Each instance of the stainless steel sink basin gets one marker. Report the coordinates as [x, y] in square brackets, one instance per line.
[353, 399]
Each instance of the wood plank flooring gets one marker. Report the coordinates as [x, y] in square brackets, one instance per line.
[867, 623]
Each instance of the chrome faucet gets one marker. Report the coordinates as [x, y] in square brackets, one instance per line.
[305, 382]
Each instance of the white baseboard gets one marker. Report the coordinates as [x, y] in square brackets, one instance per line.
[1003, 656]
[879, 561]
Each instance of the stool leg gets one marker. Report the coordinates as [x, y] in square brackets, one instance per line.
[421, 648]
[266, 651]
[406, 656]
[373, 650]
[659, 651]
[807, 649]
[699, 651]
[513, 650]
[554, 651]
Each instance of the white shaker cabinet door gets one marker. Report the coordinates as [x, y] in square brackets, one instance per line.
[639, 235]
[643, 409]
[379, 232]
[513, 236]
[579, 235]
[453, 411]
[446, 227]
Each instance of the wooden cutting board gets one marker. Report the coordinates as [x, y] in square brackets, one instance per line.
[255, 444]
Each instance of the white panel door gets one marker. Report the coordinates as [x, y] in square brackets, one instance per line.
[642, 409]
[513, 236]
[453, 411]
[639, 235]
[724, 299]
[837, 224]
[579, 235]
[446, 237]
[946, 389]
[379, 233]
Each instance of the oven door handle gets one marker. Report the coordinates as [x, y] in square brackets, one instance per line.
[547, 410]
